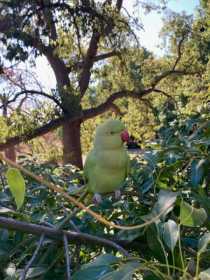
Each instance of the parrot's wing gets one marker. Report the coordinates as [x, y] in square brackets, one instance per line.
[89, 166]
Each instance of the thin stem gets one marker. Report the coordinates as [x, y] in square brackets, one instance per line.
[23, 276]
[164, 251]
[180, 248]
[67, 256]
[98, 217]
[197, 266]
[165, 255]
[173, 260]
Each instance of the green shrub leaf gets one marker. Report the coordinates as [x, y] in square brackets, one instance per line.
[16, 184]
[170, 234]
[190, 216]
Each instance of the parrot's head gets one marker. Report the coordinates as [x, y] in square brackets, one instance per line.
[111, 134]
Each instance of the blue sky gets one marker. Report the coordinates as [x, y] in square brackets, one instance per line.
[149, 37]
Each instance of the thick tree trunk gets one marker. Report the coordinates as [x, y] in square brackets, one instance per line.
[72, 152]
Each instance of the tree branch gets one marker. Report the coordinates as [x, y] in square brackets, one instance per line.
[23, 276]
[57, 234]
[88, 63]
[91, 53]
[59, 67]
[97, 58]
[89, 113]
[179, 53]
[165, 74]
[34, 92]
[92, 112]
[35, 133]
[49, 20]
[67, 256]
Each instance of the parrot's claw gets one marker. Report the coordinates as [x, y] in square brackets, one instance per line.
[97, 199]
[117, 194]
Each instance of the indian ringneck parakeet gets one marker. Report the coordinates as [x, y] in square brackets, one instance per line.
[107, 164]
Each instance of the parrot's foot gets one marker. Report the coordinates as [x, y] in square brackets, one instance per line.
[97, 199]
[117, 194]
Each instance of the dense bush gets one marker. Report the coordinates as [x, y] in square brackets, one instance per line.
[172, 171]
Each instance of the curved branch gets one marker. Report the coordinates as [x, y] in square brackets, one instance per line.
[57, 234]
[179, 53]
[34, 92]
[167, 73]
[92, 52]
[86, 114]
[92, 112]
[35, 133]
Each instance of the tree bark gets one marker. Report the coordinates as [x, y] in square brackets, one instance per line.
[72, 152]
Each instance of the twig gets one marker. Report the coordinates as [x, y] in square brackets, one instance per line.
[67, 256]
[64, 194]
[23, 276]
[78, 246]
[57, 234]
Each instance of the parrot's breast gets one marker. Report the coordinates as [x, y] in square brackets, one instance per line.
[112, 159]
[109, 171]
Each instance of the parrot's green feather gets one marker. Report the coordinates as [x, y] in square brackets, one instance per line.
[107, 164]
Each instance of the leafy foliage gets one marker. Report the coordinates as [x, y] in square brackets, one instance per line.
[161, 175]
[170, 173]
[17, 185]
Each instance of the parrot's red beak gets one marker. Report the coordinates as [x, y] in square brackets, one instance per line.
[125, 136]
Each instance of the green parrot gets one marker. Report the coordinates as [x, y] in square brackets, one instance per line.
[107, 164]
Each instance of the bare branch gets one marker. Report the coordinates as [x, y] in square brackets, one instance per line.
[23, 276]
[179, 53]
[59, 67]
[165, 74]
[88, 63]
[92, 112]
[91, 53]
[49, 20]
[119, 4]
[35, 133]
[56, 234]
[97, 58]
[67, 256]
[105, 55]
[33, 92]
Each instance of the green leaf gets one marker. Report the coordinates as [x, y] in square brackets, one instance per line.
[164, 205]
[154, 244]
[170, 234]
[190, 216]
[94, 270]
[205, 275]
[197, 172]
[129, 235]
[125, 272]
[203, 242]
[106, 259]
[16, 184]
[165, 202]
